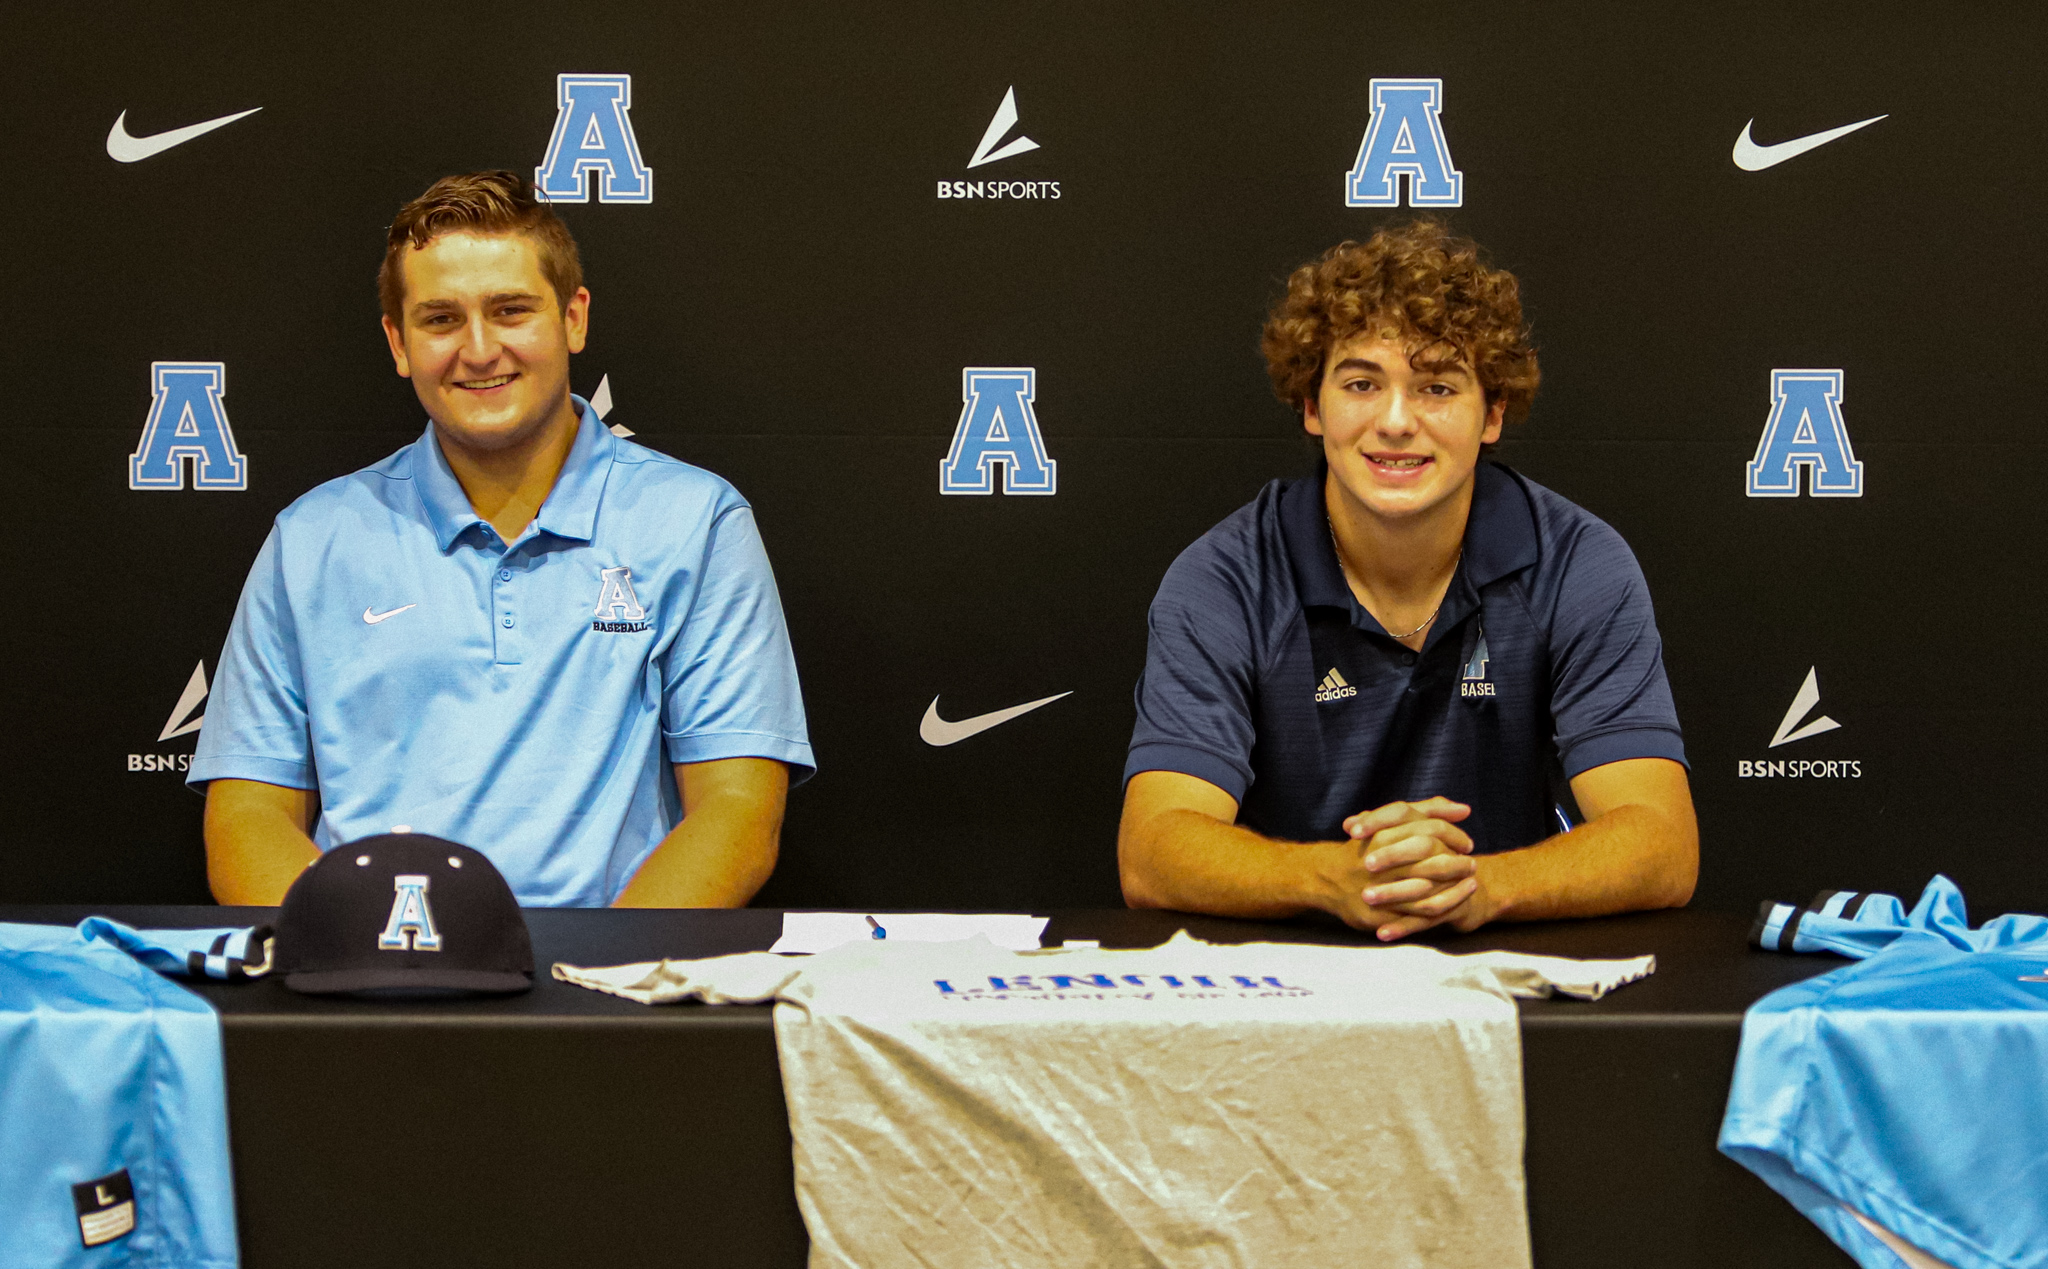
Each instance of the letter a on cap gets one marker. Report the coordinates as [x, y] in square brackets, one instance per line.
[411, 927]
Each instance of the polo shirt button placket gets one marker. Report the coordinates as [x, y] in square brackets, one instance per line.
[508, 649]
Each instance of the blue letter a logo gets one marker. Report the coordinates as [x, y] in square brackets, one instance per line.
[1405, 138]
[411, 926]
[997, 426]
[594, 134]
[187, 420]
[1805, 430]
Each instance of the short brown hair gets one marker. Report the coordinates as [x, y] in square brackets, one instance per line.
[483, 203]
[1415, 281]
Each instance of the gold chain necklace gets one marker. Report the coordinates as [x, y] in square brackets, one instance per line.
[1346, 569]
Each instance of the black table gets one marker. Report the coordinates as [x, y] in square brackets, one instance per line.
[566, 1128]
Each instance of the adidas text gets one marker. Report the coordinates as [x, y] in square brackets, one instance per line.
[1333, 688]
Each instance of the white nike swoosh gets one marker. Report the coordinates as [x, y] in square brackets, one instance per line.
[938, 732]
[1751, 157]
[374, 617]
[123, 148]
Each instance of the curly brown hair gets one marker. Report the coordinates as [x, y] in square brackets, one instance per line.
[1418, 282]
[484, 203]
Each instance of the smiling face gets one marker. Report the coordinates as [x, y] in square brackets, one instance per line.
[1401, 440]
[485, 341]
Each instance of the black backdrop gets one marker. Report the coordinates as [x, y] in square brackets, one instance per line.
[794, 309]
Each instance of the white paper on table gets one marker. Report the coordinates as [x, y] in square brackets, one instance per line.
[817, 931]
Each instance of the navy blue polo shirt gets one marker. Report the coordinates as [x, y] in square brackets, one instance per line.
[1266, 677]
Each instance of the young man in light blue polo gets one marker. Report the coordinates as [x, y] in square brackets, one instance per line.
[519, 632]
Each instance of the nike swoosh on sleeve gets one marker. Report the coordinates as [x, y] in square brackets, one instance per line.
[1751, 157]
[123, 148]
[938, 732]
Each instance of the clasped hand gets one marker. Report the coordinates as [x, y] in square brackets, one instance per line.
[1406, 866]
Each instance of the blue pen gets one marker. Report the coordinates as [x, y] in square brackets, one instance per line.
[876, 926]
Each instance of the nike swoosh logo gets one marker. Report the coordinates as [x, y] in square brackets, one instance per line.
[1751, 157]
[123, 148]
[374, 617]
[938, 732]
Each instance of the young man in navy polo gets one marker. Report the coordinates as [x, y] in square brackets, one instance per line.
[1416, 689]
[520, 632]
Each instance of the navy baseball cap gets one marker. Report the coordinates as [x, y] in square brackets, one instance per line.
[402, 910]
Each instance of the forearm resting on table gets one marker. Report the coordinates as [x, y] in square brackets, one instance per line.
[256, 840]
[1639, 849]
[1178, 847]
[725, 847]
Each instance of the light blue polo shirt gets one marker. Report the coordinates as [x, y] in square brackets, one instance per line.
[391, 651]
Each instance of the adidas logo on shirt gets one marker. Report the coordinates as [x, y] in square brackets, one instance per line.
[1333, 688]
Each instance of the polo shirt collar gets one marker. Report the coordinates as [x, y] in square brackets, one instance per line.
[1305, 527]
[1500, 539]
[1500, 534]
[570, 509]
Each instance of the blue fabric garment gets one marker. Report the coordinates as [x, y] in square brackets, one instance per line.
[1859, 923]
[109, 1076]
[228, 955]
[1267, 678]
[524, 698]
[1911, 1086]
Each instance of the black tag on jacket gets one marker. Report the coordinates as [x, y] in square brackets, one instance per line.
[106, 1208]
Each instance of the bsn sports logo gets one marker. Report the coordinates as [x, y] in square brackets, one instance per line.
[998, 425]
[184, 720]
[1333, 688]
[1475, 682]
[601, 405]
[411, 927]
[187, 420]
[594, 133]
[1405, 138]
[993, 150]
[618, 609]
[1805, 429]
[1792, 728]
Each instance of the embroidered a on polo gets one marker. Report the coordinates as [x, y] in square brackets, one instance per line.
[1476, 683]
[618, 609]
